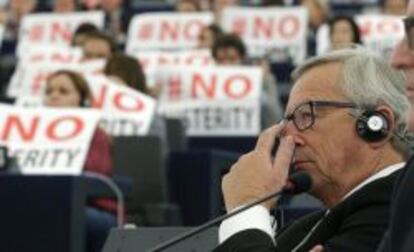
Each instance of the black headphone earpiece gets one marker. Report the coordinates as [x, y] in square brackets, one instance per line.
[372, 126]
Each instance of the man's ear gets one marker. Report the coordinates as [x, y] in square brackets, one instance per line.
[389, 116]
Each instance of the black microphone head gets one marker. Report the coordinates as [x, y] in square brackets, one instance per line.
[299, 182]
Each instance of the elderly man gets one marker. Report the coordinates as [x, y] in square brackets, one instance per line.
[345, 120]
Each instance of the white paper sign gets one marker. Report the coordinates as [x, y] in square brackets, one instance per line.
[29, 79]
[48, 141]
[125, 111]
[214, 101]
[379, 33]
[167, 31]
[270, 32]
[152, 60]
[51, 28]
[58, 54]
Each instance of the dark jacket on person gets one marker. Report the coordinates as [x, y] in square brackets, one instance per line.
[356, 224]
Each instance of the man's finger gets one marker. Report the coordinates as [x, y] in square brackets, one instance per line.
[267, 139]
[284, 155]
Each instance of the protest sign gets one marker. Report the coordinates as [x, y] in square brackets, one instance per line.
[151, 61]
[29, 79]
[213, 101]
[379, 33]
[166, 31]
[125, 111]
[48, 141]
[53, 28]
[270, 32]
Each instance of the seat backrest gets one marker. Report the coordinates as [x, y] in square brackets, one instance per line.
[143, 239]
[177, 139]
[140, 158]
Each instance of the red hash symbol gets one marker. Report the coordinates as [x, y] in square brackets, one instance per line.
[36, 33]
[174, 88]
[239, 25]
[145, 31]
[38, 82]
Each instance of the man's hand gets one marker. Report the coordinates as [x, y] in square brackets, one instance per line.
[317, 248]
[255, 174]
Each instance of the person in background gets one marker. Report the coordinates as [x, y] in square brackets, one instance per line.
[64, 6]
[98, 45]
[394, 7]
[208, 35]
[187, 6]
[319, 12]
[229, 49]
[343, 31]
[15, 11]
[400, 234]
[68, 89]
[219, 5]
[126, 70]
[80, 34]
[116, 19]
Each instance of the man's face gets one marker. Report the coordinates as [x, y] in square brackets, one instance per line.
[402, 58]
[328, 150]
[228, 56]
[96, 49]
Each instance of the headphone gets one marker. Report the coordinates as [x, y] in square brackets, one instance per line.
[372, 126]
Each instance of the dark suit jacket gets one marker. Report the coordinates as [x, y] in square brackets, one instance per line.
[356, 224]
[400, 235]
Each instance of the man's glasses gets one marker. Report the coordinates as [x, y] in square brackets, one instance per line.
[303, 116]
[409, 31]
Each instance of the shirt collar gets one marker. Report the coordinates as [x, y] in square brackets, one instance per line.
[383, 173]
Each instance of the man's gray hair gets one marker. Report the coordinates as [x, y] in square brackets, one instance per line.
[369, 81]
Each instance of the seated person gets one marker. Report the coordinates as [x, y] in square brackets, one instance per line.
[229, 49]
[98, 45]
[346, 134]
[69, 89]
[343, 31]
[126, 70]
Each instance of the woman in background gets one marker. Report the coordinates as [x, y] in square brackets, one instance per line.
[68, 89]
[343, 31]
[125, 70]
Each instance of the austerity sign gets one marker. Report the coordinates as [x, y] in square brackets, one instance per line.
[269, 31]
[30, 76]
[51, 28]
[125, 111]
[48, 141]
[167, 30]
[151, 61]
[212, 100]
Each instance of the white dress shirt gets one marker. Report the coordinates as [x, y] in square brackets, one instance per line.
[258, 217]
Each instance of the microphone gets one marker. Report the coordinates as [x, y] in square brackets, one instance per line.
[299, 182]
